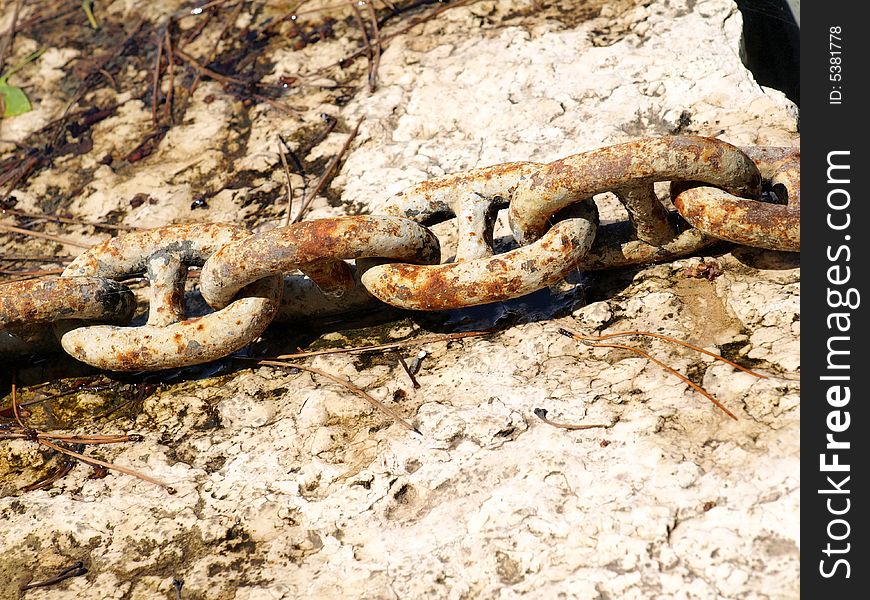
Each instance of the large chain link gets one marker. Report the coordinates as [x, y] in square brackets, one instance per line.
[748, 196]
[168, 339]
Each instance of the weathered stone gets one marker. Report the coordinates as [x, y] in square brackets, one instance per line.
[291, 487]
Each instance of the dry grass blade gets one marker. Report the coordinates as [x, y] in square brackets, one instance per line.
[68, 220]
[155, 82]
[230, 22]
[29, 274]
[31, 434]
[202, 69]
[413, 23]
[607, 336]
[541, 413]
[229, 80]
[41, 17]
[327, 173]
[673, 371]
[15, 176]
[348, 385]
[376, 48]
[280, 106]
[40, 259]
[93, 440]
[112, 467]
[62, 471]
[15, 410]
[48, 439]
[199, 66]
[390, 346]
[44, 236]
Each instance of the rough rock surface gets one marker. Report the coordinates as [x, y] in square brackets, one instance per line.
[291, 487]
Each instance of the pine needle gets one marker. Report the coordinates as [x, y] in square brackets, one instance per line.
[348, 385]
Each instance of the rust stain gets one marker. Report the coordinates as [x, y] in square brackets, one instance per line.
[317, 248]
[716, 187]
[747, 221]
[57, 298]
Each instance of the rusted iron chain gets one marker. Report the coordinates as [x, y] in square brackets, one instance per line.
[478, 277]
[748, 196]
[26, 307]
[55, 298]
[749, 221]
[318, 249]
[629, 171]
[168, 339]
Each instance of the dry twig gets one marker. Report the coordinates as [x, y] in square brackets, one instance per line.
[213, 52]
[48, 440]
[356, 390]
[45, 236]
[413, 23]
[407, 370]
[376, 48]
[6, 44]
[327, 173]
[370, 52]
[289, 208]
[686, 380]
[170, 68]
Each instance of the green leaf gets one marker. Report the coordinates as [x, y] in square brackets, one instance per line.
[13, 100]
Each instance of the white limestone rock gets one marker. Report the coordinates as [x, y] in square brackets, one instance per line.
[288, 486]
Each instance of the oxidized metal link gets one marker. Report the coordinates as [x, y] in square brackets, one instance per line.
[52, 299]
[552, 215]
[305, 303]
[23, 304]
[751, 222]
[473, 197]
[318, 249]
[469, 283]
[629, 171]
[478, 277]
[167, 340]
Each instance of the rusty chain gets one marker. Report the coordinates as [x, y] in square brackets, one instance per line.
[748, 196]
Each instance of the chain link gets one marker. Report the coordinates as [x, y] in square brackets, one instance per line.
[318, 249]
[476, 276]
[776, 226]
[168, 339]
[748, 196]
